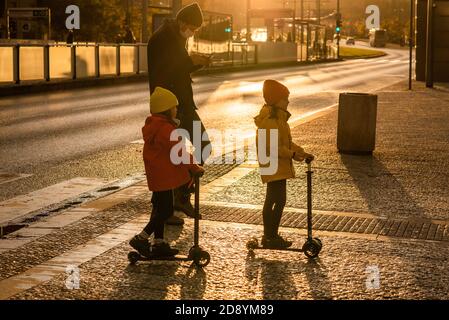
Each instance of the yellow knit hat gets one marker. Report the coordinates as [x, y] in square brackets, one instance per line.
[162, 100]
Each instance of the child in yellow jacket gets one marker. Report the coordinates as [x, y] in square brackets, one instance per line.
[274, 116]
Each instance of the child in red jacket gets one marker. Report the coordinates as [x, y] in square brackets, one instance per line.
[162, 174]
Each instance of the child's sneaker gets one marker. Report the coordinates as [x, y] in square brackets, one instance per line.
[163, 249]
[281, 242]
[141, 245]
[276, 242]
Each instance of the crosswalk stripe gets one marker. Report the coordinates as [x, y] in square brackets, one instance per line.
[6, 177]
[18, 207]
[53, 223]
[79, 255]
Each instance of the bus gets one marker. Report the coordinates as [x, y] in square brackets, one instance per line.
[378, 37]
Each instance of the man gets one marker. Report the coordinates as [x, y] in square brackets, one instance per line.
[170, 67]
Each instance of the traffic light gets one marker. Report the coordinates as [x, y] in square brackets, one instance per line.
[338, 27]
[228, 28]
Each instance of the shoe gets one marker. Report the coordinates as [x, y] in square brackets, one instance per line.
[182, 203]
[163, 249]
[141, 245]
[174, 221]
[276, 242]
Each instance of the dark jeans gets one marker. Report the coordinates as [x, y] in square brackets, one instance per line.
[274, 206]
[162, 210]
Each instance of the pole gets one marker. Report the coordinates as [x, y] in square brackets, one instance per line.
[177, 5]
[49, 24]
[7, 20]
[294, 22]
[127, 18]
[248, 20]
[144, 38]
[411, 42]
[429, 49]
[338, 35]
[318, 11]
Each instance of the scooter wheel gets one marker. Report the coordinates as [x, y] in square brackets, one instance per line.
[133, 257]
[319, 242]
[202, 259]
[311, 248]
[252, 244]
[193, 252]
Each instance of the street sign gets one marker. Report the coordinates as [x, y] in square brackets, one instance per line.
[16, 13]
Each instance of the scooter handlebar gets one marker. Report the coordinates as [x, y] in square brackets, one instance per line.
[198, 174]
[309, 160]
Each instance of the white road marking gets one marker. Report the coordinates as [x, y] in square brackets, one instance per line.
[19, 207]
[9, 177]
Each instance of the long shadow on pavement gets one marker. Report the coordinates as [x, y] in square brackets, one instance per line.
[160, 280]
[277, 279]
[384, 194]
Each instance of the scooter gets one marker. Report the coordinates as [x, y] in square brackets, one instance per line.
[200, 257]
[312, 246]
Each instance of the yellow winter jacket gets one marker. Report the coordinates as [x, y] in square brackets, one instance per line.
[286, 147]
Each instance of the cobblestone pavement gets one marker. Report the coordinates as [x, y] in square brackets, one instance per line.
[407, 176]
[383, 222]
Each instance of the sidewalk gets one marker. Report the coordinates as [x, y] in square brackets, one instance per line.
[383, 221]
[407, 176]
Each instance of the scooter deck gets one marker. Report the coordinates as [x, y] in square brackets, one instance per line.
[278, 249]
[178, 257]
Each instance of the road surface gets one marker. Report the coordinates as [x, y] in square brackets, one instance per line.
[88, 132]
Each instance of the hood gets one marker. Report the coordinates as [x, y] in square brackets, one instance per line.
[263, 115]
[172, 26]
[153, 124]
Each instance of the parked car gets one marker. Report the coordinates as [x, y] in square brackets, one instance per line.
[350, 41]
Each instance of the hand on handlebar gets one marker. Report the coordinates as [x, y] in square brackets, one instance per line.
[198, 173]
[309, 158]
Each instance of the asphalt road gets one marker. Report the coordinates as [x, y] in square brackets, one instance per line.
[88, 132]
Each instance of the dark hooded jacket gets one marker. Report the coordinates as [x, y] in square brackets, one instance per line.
[169, 64]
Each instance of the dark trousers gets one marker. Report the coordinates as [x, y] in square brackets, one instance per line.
[187, 116]
[273, 207]
[162, 209]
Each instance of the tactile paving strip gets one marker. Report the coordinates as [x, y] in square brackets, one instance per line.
[410, 229]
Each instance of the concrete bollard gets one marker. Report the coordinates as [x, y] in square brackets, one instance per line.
[357, 115]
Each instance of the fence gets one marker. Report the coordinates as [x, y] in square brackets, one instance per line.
[28, 62]
[61, 61]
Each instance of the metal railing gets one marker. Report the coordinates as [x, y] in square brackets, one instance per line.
[244, 54]
[62, 61]
[36, 62]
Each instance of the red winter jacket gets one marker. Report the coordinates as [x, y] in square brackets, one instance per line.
[161, 173]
